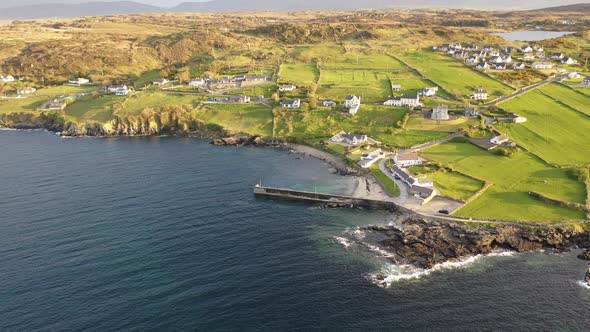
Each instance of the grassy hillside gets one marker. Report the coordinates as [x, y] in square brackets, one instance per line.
[512, 179]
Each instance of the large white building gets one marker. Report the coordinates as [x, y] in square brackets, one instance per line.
[348, 138]
[406, 159]
[352, 103]
[480, 94]
[79, 81]
[403, 101]
[440, 112]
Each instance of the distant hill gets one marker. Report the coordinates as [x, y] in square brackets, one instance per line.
[75, 10]
[291, 5]
[31, 9]
[578, 7]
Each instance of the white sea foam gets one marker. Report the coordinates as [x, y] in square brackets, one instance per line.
[584, 284]
[344, 242]
[391, 273]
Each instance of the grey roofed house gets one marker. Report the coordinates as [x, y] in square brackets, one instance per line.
[470, 112]
[423, 192]
[403, 175]
[255, 77]
[328, 103]
[440, 112]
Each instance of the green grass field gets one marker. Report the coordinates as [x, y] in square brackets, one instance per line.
[251, 118]
[372, 86]
[365, 61]
[94, 107]
[409, 138]
[454, 76]
[570, 97]
[421, 123]
[370, 120]
[456, 185]
[32, 102]
[257, 90]
[512, 179]
[136, 103]
[389, 186]
[299, 73]
[553, 131]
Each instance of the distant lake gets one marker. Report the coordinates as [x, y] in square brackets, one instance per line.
[530, 35]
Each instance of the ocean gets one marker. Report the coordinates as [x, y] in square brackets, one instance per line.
[159, 233]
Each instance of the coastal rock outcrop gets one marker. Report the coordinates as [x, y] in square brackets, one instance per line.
[585, 255]
[425, 243]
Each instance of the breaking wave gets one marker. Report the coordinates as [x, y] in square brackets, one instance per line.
[392, 273]
[583, 284]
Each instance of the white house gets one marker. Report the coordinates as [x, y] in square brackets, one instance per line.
[403, 101]
[26, 91]
[6, 79]
[79, 81]
[369, 159]
[287, 87]
[519, 66]
[440, 112]
[161, 81]
[542, 65]
[526, 49]
[429, 92]
[119, 90]
[197, 82]
[396, 87]
[348, 138]
[480, 94]
[557, 56]
[328, 103]
[528, 56]
[573, 75]
[352, 103]
[568, 61]
[295, 103]
[499, 140]
[482, 65]
[423, 188]
[406, 159]
[472, 59]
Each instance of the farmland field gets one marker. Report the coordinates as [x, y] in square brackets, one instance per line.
[93, 107]
[409, 138]
[512, 179]
[454, 76]
[553, 131]
[370, 120]
[365, 61]
[372, 86]
[31, 102]
[420, 123]
[251, 118]
[138, 102]
[298, 73]
[455, 185]
[570, 97]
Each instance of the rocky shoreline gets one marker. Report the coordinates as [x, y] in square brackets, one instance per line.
[424, 243]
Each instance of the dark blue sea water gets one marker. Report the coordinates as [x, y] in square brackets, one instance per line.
[165, 234]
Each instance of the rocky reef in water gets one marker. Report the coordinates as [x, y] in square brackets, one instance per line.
[424, 244]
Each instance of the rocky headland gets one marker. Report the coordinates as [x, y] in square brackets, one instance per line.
[424, 244]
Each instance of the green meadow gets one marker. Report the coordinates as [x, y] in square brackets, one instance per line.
[251, 118]
[452, 75]
[455, 185]
[298, 73]
[33, 101]
[373, 86]
[554, 131]
[513, 178]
